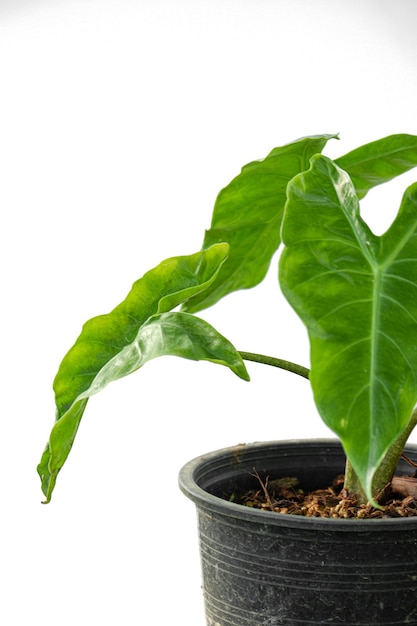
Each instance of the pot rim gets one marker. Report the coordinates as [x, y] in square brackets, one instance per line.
[204, 500]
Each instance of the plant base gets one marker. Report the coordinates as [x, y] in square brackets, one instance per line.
[263, 569]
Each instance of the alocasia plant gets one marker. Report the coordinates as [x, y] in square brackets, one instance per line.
[355, 292]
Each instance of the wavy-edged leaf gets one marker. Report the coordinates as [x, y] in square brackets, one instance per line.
[247, 215]
[357, 295]
[140, 328]
[379, 161]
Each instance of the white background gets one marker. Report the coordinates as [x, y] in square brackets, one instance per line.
[120, 120]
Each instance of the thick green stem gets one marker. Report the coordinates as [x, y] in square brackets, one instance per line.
[353, 485]
[281, 363]
[385, 472]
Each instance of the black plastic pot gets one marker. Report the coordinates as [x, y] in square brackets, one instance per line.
[262, 568]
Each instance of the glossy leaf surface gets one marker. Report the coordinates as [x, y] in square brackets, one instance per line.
[247, 215]
[357, 295]
[379, 161]
[139, 329]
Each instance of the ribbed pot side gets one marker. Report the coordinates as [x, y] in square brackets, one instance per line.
[261, 568]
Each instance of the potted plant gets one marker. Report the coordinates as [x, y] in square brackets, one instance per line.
[356, 294]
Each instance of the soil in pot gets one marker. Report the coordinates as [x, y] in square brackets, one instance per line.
[285, 495]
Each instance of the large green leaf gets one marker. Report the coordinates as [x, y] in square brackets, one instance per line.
[139, 329]
[248, 212]
[379, 161]
[357, 295]
[247, 215]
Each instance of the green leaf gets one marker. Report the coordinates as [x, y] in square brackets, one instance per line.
[247, 215]
[248, 212]
[379, 161]
[139, 329]
[357, 295]
[176, 334]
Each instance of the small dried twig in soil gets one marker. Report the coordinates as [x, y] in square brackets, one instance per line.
[264, 488]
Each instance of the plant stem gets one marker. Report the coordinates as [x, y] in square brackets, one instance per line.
[385, 471]
[281, 363]
[353, 485]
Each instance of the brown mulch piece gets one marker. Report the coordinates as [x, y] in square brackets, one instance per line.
[284, 495]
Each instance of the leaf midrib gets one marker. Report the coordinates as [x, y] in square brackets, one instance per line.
[373, 374]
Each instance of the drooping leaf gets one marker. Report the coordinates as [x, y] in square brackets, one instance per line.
[247, 215]
[174, 333]
[379, 161]
[139, 329]
[357, 295]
